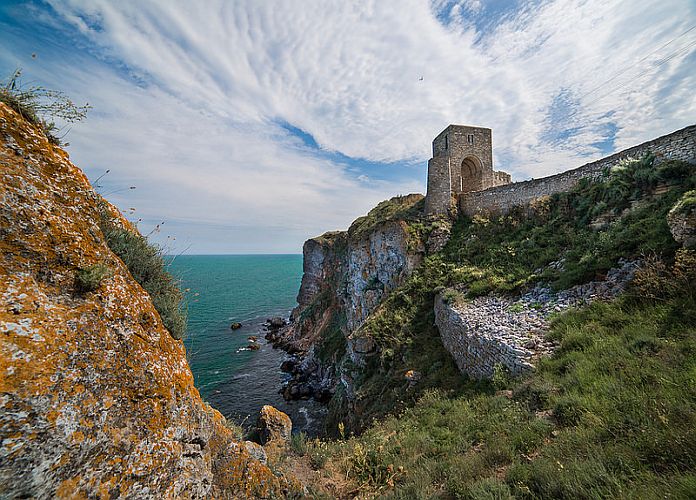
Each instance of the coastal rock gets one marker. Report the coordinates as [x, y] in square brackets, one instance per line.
[235, 326]
[273, 425]
[256, 451]
[276, 322]
[98, 399]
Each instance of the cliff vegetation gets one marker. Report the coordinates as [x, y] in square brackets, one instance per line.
[610, 414]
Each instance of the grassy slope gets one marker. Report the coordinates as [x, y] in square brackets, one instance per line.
[611, 414]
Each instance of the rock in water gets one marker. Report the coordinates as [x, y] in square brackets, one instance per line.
[273, 425]
[97, 398]
[235, 326]
[276, 322]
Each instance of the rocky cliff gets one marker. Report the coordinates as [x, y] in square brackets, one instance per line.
[96, 396]
[346, 276]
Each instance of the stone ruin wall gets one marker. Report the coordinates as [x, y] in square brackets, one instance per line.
[679, 145]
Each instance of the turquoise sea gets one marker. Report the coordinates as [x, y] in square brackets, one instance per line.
[222, 289]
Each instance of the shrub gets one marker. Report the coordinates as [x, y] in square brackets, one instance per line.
[298, 443]
[147, 266]
[40, 106]
[89, 278]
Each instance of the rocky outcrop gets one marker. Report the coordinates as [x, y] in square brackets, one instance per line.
[682, 220]
[96, 397]
[273, 425]
[346, 276]
[489, 331]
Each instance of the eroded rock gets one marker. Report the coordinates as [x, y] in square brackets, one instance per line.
[273, 425]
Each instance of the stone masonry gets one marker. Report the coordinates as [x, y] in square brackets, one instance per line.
[679, 145]
[462, 162]
[461, 171]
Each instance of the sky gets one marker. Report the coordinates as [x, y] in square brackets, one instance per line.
[250, 126]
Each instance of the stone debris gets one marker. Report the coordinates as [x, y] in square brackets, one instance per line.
[488, 331]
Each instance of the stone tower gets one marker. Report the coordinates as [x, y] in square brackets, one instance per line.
[462, 162]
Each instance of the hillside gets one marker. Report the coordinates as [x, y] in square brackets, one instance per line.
[607, 408]
[97, 396]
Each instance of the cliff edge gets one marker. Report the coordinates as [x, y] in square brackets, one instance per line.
[96, 397]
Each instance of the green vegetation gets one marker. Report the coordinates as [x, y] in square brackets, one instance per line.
[504, 254]
[40, 106]
[686, 205]
[612, 414]
[90, 278]
[400, 208]
[147, 266]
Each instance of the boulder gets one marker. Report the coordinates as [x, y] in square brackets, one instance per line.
[276, 322]
[235, 326]
[273, 425]
[682, 220]
[256, 451]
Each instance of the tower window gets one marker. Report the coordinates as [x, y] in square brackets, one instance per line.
[446, 143]
[470, 138]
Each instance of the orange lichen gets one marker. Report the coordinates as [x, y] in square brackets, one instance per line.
[101, 399]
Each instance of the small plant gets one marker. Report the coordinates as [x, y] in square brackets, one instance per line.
[318, 454]
[450, 296]
[501, 376]
[40, 106]
[298, 443]
[90, 278]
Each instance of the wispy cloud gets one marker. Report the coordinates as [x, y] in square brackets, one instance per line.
[240, 119]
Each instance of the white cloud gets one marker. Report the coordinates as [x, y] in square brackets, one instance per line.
[203, 128]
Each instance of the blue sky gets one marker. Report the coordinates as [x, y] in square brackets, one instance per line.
[248, 127]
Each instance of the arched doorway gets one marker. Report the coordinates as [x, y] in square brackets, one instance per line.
[472, 175]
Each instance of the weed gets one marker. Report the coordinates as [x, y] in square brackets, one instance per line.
[40, 106]
[298, 443]
[88, 279]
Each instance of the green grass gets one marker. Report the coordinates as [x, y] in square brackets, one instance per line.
[407, 208]
[148, 267]
[611, 415]
[503, 255]
[90, 278]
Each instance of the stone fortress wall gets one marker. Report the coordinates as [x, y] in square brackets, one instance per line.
[679, 145]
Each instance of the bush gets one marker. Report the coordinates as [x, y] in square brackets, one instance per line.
[147, 266]
[40, 106]
[298, 443]
[89, 278]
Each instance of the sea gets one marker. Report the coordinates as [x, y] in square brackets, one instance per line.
[248, 289]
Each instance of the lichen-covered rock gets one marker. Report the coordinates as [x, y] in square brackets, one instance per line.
[96, 397]
[682, 220]
[273, 425]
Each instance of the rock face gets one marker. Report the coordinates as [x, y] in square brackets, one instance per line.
[490, 331]
[682, 220]
[273, 425]
[346, 276]
[96, 397]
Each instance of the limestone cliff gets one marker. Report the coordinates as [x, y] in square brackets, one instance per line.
[346, 276]
[96, 397]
